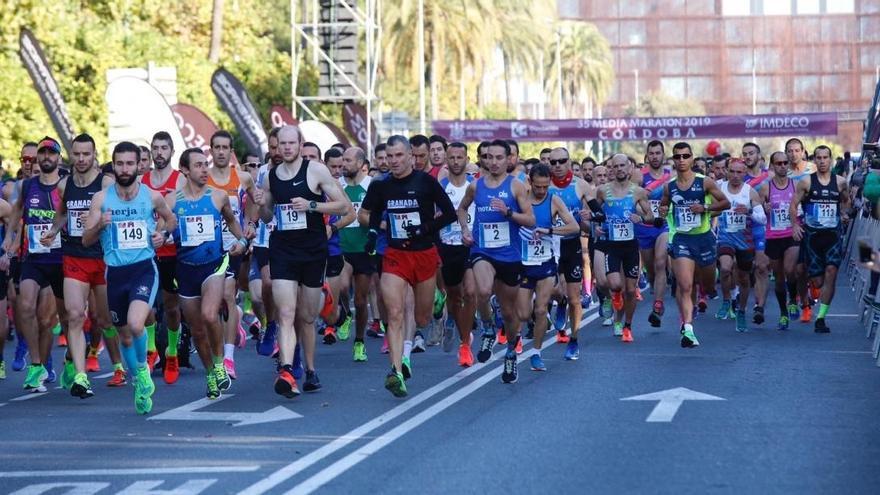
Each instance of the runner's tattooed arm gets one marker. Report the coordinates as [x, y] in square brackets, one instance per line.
[60, 216]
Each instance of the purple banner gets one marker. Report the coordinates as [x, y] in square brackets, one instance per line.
[642, 128]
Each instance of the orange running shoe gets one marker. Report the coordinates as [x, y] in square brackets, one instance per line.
[815, 293]
[92, 364]
[62, 340]
[806, 314]
[519, 346]
[562, 337]
[617, 300]
[172, 369]
[285, 384]
[327, 310]
[502, 339]
[627, 335]
[152, 357]
[465, 356]
[330, 336]
[118, 379]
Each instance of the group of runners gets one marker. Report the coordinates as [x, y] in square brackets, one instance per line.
[416, 245]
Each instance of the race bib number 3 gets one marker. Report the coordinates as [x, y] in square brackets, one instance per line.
[538, 251]
[686, 219]
[620, 231]
[130, 234]
[197, 229]
[289, 219]
[494, 235]
[400, 221]
[35, 232]
[76, 222]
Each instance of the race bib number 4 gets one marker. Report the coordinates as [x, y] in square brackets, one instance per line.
[780, 218]
[620, 231]
[35, 232]
[494, 235]
[197, 229]
[130, 234]
[686, 219]
[538, 251]
[76, 222]
[400, 221]
[286, 218]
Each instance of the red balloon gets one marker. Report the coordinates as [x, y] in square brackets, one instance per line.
[713, 148]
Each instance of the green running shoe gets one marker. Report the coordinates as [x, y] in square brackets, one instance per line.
[439, 303]
[688, 339]
[67, 375]
[406, 369]
[618, 328]
[394, 383]
[2, 370]
[359, 352]
[81, 387]
[213, 391]
[344, 331]
[724, 311]
[223, 381]
[56, 330]
[783, 323]
[143, 390]
[607, 310]
[36, 375]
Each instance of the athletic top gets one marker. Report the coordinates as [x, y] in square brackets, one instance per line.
[40, 201]
[78, 200]
[411, 200]
[168, 250]
[735, 229]
[434, 171]
[333, 245]
[655, 191]
[263, 229]
[128, 238]
[451, 234]
[618, 226]
[680, 216]
[495, 235]
[236, 195]
[354, 236]
[569, 196]
[779, 221]
[536, 252]
[302, 231]
[198, 234]
[820, 204]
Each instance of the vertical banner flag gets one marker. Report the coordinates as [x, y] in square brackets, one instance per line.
[236, 102]
[196, 128]
[354, 118]
[279, 116]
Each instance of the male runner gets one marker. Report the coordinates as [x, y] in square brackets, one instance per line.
[146, 162]
[124, 217]
[437, 148]
[757, 178]
[335, 312]
[799, 168]
[381, 158]
[652, 240]
[420, 145]
[781, 247]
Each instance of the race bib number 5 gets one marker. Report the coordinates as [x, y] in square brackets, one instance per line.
[130, 234]
[76, 222]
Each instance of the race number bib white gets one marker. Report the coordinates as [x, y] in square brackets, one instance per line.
[263, 232]
[780, 218]
[620, 231]
[655, 207]
[286, 218]
[76, 222]
[357, 208]
[687, 220]
[400, 221]
[35, 232]
[228, 238]
[536, 252]
[130, 234]
[826, 214]
[196, 230]
[735, 222]
[494, 235]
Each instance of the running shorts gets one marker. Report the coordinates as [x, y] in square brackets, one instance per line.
[45, 275]
[361, 263]
[167, 279]
[335, 264]
[745, 258]
[571, 260]
[86, 270]
[125, 284]
[455, 262]
[776, 248]
[192, 277]
[509, 273]
[623, 256]
[413, 266]
[824, 248]
[535, 273]
[697, 247]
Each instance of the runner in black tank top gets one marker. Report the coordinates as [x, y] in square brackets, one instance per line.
[299, 233]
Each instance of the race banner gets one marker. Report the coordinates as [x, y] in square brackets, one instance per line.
[236, 102]
[279, 116]
[354, 118]
[196, 128]
[35, 62]
[641, 128]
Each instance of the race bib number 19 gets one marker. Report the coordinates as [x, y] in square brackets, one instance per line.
[289, 219]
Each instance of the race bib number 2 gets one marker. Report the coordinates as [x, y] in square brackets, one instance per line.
[494, 235]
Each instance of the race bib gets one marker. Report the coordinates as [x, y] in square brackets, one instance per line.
[287, 218]
[780, 218]
[35, 232]
[494, 235]
[655, 207]
[536, 252]
[196, 230]
[263, 232]
[620, 231]
[734, 222]
[357, 208]
[76, 222]
[130, 234]
[825, 214]
[400, 221]
[686, 219]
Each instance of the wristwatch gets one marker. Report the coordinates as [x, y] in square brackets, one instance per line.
[509, 213]
[313, 205]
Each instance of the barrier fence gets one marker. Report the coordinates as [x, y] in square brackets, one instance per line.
[863, 279]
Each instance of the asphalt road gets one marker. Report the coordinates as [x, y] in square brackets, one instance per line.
[792, 412]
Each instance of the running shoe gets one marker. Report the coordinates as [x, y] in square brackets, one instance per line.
[330, 336]
[223, 381]
[518, 347]
[741, 325]
[51, 377]
[36, 375]
[572, 353]
[344, 330]
[501, 338]
[537, 363]
[783, 323]
[496, 312]
[821, 327]
[643, 282]
[702, 304]
[285, 383]
[607, 322]
[439, 303]
[81, 387]
[395, 383]
[656, 313]
[143, 391]
[606, 310]
[627, 336]
[21, 353]
[418, 343]
[639, 295]
[384, 349]
[212, 391]
[68, 373]
[298, 370]
[688, 338]
[152, 356]
[313, 383]
[465, 355]
[586, 300]
[562, 337]
[376, 329]
[815, 293]
[487, 341]
[184, 347]
[92, 365]
[806, 314]
[241, 337]
[2, 370]
[617, 300]
[172, 369]
[118, 379]
[62, 340]
[229, 365]
[255, 328]
[406, 368]
[724, 311]
[560, 316]
[758, 317]
[618, 328]
[794, 312]
[509, 375]
[435, 334]
[449, 335]
[327, 310]
[359, 352]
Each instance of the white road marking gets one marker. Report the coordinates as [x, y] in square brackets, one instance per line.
[669, 401]
[189, 412]
[32, 395]
[104, 375]
[294, 468]
[842, 315]
[247, 468]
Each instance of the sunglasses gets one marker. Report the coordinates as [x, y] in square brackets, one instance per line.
[558, 162]
[781, 162]
[252, 165]
[28, 159]
[681, 156]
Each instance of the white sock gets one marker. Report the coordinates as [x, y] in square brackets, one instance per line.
[407, 348]
[228, 351]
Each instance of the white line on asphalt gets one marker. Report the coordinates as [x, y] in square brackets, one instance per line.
[105, 375]
[842, 315]
[248, 468]
[32, 395]
[294, 468]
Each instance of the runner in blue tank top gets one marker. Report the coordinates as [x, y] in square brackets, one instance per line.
[202, 265]
[122, 216]
[502, 206]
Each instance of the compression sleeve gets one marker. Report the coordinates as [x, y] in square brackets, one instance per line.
[758, 215]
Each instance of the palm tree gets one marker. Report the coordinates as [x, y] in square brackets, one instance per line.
[527, 28]
[216, 31]
[586, 64]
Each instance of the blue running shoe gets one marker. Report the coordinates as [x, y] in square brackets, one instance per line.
[266, 347]
[724, 310]
[561, 314]
[297, 363]
[643, 282]
[496, 313]
[741, 325]
[571, 351]
[783, 324]
[586, 300]
[537, 363]
[21, 352]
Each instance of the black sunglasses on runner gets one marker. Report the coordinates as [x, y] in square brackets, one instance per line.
[681, 156]
[252, 165]
[781, 162]
[559, 161]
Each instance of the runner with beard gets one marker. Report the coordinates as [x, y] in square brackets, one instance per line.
[653, 240]
[757, 178]
[799, 168]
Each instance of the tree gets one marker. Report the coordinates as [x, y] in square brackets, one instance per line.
[216, 31]
[586, 65]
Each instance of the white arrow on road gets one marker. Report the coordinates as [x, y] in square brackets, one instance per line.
[189, 412]
[669, 402]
